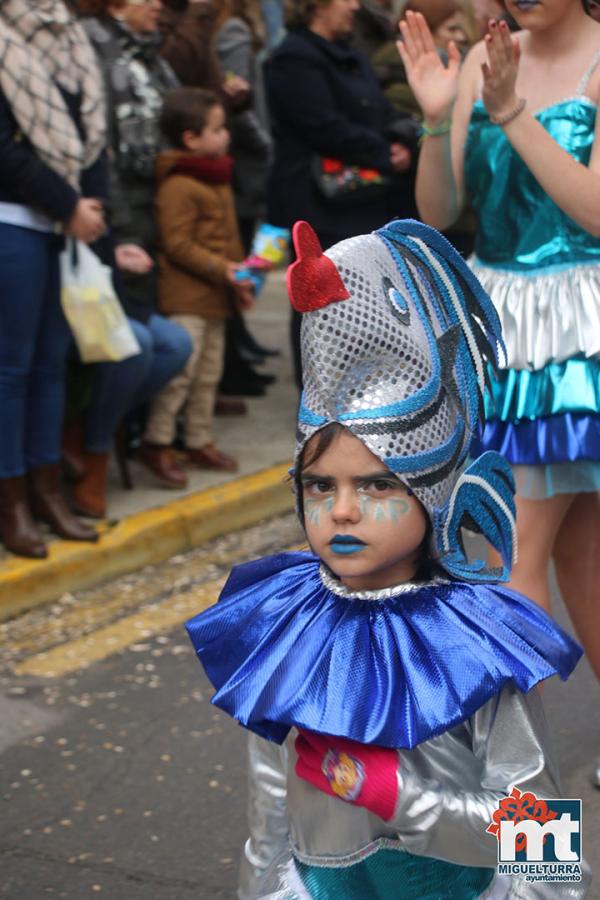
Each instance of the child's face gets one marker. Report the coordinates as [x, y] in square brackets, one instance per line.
[213, 141]
[359, 518]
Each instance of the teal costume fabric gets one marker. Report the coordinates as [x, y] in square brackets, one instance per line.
[520, 227]
[543, 273]
[395, 873]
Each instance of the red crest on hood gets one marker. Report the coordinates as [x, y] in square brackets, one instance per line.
[313, 281]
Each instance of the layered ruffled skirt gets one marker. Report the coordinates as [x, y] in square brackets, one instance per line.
[543, 411]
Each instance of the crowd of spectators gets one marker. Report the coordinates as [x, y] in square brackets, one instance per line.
[82, 99]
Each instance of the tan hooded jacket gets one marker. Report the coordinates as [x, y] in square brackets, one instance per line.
[198, 235]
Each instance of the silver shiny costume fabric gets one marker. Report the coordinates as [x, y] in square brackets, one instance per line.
[267, 813]
[545, 317]
[449, 787]
[447, 783]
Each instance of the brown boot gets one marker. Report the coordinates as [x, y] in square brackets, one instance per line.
[49, 505]
[230, 406]
[18, 531]
[89, 494]
[72, 450]
[210, 457]
[164, 463]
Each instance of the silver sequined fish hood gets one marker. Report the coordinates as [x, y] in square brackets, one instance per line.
[396, 334]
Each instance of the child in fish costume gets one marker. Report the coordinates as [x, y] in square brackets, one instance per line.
[396, 674]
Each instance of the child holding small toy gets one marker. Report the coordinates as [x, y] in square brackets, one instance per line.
[199, 285]
[399, 674]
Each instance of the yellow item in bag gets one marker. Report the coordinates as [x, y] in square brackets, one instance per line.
[92, 308]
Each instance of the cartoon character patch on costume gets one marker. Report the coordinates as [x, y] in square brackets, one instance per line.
[345, 774]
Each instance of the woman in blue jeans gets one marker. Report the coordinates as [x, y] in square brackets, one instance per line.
[52, 136]
[118, 388]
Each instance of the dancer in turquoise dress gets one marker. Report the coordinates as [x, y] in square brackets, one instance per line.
[543, 272]
[514, 129]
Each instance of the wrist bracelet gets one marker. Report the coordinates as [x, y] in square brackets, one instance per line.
[509, 116]
[435, 130]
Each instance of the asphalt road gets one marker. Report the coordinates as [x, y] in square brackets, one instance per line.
[120, 780]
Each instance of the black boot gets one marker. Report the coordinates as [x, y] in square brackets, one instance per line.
[49, 505]
[239, 379]
[264, 378]
[238, 386]
[18, 531]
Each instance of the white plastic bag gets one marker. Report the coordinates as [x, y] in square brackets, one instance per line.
[95, 316]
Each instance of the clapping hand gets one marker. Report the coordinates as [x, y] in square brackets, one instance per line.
[500, 71]
[433, 84]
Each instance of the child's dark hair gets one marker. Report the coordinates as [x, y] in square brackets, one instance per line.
[428, 568]
[186, 109]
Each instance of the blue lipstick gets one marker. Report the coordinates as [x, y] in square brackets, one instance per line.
[345, 544]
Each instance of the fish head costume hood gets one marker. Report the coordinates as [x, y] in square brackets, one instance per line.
[397, 334]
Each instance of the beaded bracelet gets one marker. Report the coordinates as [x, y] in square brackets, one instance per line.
[435, 130]
[509, 116]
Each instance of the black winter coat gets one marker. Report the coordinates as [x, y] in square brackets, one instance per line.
[26, 179]
[325, 100]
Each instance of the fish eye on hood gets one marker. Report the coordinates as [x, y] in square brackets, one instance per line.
[397, 300]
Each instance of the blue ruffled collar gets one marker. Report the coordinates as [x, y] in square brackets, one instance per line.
[284, 648]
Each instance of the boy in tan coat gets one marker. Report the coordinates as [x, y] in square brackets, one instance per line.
[199, 252]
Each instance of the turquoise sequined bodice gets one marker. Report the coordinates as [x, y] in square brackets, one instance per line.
[389, 873]
[520, 227]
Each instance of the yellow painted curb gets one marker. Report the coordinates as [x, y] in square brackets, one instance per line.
[146, 538]
[140, 626]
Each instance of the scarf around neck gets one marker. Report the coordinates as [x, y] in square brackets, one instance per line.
[212, 171]
[43, 48]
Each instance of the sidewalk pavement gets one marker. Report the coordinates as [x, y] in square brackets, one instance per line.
[150, 523]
